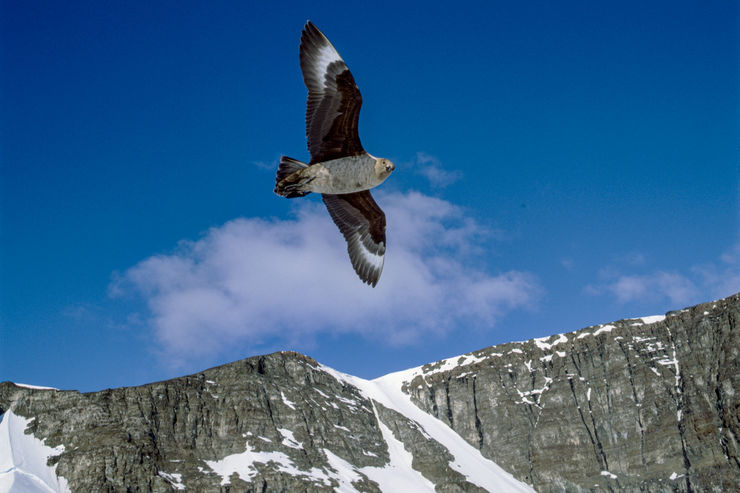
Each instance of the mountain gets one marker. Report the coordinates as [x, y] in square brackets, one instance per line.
[644, 404]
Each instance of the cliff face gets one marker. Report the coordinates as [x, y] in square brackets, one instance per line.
[644, 404]
[639, 405]
[280, 422]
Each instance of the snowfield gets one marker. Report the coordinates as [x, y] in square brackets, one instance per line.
[23, 459]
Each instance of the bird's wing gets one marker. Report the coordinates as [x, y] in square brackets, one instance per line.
[333, 105]
[362, 223]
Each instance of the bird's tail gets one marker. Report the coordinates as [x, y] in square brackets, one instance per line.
[288, 181]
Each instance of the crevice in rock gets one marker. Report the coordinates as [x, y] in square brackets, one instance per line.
[450, 418]
[585, 425]
[478, 424]
[631, 373]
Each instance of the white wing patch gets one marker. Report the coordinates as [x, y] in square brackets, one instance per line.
[325, 57]
[367, 263]
[375, 260]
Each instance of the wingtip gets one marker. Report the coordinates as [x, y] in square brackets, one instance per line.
[310, 27]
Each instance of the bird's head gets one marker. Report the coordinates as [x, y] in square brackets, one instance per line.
[383, 168]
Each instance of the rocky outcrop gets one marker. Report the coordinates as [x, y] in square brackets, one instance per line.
[637, 405]
[280, 422]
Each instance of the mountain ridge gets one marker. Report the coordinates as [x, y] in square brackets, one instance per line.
[638, 404]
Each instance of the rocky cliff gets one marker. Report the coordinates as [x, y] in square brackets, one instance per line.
[639, 405]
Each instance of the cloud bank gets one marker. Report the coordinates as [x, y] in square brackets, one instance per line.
[254, 280]
[696, 284]
[434, 171]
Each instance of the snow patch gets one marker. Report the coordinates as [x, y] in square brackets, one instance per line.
[467, 460]
[34, 387]
[542, 344]
[608, 474]
[398, 474]
[287, 402]
[605, 328]
[449, 364]
[23, 459]
[243, 465]
[289, 440]
[174, 479]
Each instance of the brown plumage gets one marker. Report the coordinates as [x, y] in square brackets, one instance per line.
[339, 168]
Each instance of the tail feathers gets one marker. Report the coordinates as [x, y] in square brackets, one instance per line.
[287, 182]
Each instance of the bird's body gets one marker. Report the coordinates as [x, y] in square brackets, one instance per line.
[339, 176]
[340, 169]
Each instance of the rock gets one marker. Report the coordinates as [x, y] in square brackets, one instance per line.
[637, 405]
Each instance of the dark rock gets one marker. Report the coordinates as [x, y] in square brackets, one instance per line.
[625, 406]
[636, 405]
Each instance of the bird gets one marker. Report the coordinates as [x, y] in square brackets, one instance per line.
[339, 169]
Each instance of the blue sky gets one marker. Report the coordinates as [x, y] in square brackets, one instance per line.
[558, 165]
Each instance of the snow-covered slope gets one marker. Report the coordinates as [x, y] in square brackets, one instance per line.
[467, 460]
[23, 458]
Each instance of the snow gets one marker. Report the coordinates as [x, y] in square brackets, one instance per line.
[450, 363]
[601, 329]
[397, 475]
[23, 459]
[542, 344]
[467, 460]
[243, 464]
[605, 328]
[289, 440]
[608, 474]
[35, 387]
[287, 402]
[651, 319]
[174, 479]
[346, 473]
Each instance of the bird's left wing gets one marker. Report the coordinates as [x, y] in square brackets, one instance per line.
[362, 223]
[334, 100]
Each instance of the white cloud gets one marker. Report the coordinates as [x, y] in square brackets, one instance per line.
[723, 278]
[253, 280]
[432, 169]
[676, 287]
[697, 284]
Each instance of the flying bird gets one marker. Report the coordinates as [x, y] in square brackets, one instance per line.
[340, 169]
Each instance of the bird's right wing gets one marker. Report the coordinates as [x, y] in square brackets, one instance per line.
[362, 223]
[334, 100]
